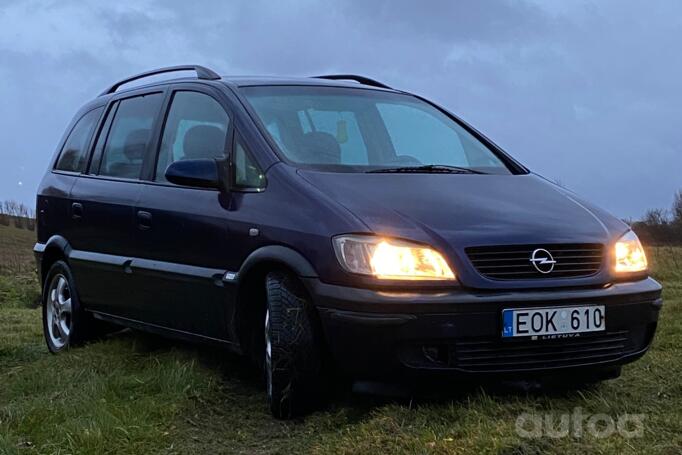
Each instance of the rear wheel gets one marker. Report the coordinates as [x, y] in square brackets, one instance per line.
[292, 349]
[65, 323]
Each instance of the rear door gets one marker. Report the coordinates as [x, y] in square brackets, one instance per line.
[182, 233]
[103, 203]
[54, 204]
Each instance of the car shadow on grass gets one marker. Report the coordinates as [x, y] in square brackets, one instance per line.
[360, 398]
[230, 366]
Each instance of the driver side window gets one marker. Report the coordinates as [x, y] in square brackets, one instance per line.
[196, 128]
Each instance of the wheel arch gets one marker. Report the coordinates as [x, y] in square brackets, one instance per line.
[278, 254]
[250, 289]
[56, 248]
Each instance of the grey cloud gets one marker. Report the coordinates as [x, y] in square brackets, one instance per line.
[583, 92]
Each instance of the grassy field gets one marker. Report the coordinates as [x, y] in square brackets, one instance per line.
[135, 393]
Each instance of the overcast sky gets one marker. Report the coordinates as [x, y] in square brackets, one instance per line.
[586, 93]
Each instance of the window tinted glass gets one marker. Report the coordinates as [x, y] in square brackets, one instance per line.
[443, 146]
[74, 154]
[196, 128]
[101, 140]
[343, 126]
[129, 136]
[350, 130]
[247, 174]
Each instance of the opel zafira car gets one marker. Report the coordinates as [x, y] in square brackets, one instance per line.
[329, 222]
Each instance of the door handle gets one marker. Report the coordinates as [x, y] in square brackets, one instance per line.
[76, 210]
[144, 220]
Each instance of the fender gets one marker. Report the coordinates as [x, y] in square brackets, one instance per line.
[277, 253]
[58, 242]
[55, 245]
[242, 319]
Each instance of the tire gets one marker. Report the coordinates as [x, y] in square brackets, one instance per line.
[65, 323]
[293, 360]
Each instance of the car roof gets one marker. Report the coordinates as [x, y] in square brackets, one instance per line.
[206, 74]
[249, 81]
[245, 81]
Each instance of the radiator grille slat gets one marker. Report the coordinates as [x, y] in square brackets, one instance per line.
[514, 262]
[487, 355]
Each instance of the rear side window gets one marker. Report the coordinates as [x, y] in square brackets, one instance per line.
[196, 128]
[129, 135]
[74, 154]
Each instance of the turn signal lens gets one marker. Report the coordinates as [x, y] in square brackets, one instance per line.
[390, 259]
[629, 254]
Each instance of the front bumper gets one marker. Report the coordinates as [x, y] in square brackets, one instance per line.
[377, 334]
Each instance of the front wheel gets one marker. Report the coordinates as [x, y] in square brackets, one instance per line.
[292, 349]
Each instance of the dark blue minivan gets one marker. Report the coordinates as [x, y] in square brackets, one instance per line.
[329, 224]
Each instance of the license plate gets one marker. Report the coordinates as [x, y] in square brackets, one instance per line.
[534, 322]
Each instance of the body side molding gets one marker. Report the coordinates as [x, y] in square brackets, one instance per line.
[161, 330]
[131, 264]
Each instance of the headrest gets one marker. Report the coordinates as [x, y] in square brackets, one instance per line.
[204, 141]
[135, 144]
[320, 148]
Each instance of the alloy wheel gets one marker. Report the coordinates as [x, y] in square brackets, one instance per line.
[268, 354]
[59, 311]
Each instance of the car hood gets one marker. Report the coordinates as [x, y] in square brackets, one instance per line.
[468, 209]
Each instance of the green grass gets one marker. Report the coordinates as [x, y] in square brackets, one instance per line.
[18, 281]
[136, 393]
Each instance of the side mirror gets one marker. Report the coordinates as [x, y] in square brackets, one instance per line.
[202, 173]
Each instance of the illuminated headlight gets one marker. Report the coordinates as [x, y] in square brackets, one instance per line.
[390, 259]
[629, 254]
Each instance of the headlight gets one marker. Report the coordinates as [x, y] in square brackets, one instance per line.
[390, 259]
[629, 254]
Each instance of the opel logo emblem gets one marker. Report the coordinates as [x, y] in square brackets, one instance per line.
[543, 261]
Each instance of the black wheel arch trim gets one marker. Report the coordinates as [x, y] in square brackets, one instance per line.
[40, 250]
[280, 254]
[56, 241]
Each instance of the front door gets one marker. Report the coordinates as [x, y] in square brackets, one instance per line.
[182, 234]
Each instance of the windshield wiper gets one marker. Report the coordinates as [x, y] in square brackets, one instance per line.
[427, 169]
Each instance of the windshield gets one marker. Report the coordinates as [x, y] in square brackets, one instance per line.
[360, 130]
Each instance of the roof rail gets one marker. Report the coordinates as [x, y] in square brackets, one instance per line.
[353, 77]
[202, 73]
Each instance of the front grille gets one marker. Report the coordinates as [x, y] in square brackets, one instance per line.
[486, 355]
[513, 262]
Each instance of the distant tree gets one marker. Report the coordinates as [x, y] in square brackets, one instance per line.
[655, 217]
[655, 228]
[31, 220]
[10, 208]
[677, 208]
[18, 213]
[4, 216]
[676, 226]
